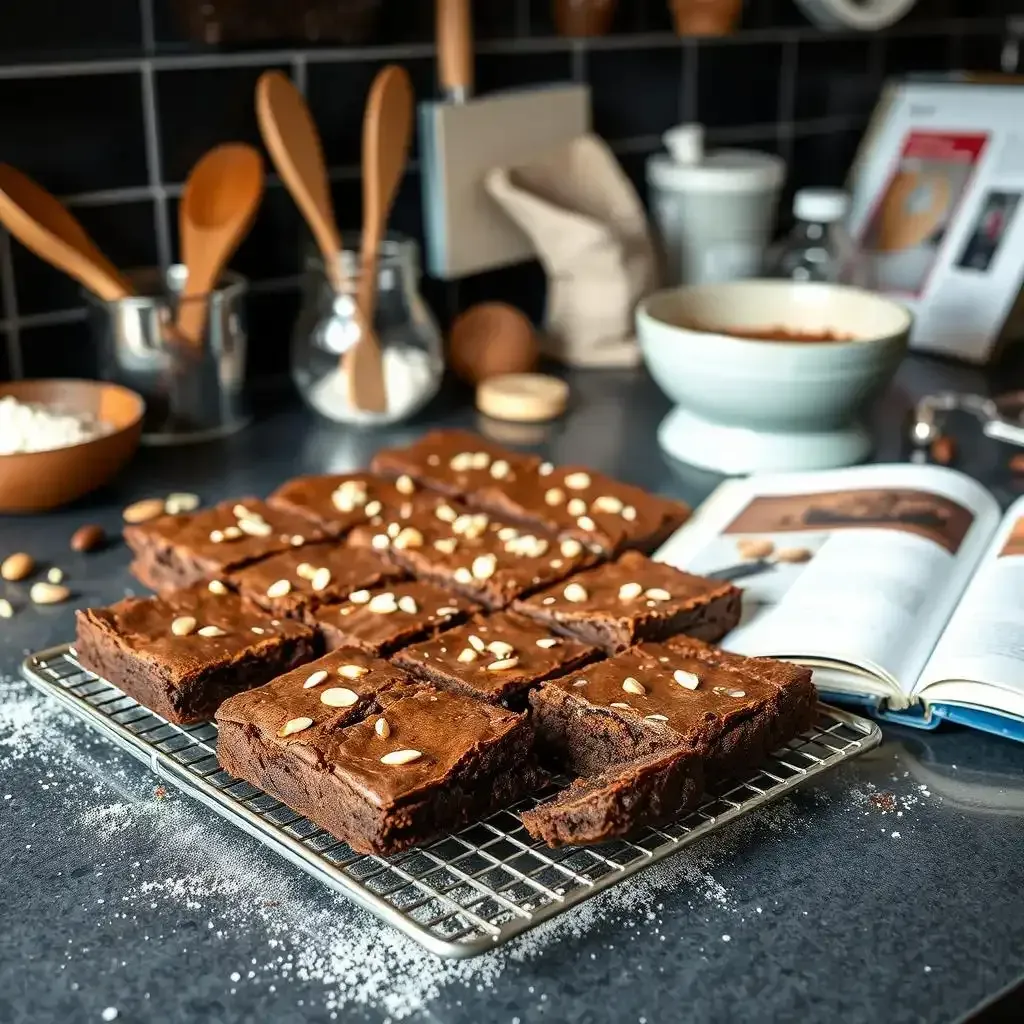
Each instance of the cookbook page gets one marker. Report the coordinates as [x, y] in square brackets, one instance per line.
[984, 640]
[860, 567]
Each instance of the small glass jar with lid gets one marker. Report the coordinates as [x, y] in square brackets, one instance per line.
[329, 324]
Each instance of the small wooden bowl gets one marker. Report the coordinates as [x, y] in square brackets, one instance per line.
[39, 481]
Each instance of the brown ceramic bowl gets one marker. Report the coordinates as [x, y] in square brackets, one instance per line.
[39, 481]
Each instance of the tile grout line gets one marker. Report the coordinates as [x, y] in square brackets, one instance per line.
[151, 129]
[786, 111]
[146, 21]
[579, 63]
[522, 28]
[300, 73]
[9, 298]
[689, 86]
[410, 51]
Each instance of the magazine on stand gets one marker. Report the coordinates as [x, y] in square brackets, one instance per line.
[902, 586]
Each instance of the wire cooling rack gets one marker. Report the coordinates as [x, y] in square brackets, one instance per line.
[470, 891]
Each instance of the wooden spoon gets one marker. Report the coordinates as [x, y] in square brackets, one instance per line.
[42, 223]
[387, 132]
[293, 142]
[217, 208]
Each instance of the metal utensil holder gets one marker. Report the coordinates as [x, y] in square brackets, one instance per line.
[1001, 417]
[194, 390]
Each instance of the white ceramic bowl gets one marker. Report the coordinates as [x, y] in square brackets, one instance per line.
[747, 405]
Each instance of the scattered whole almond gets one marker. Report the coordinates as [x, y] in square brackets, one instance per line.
[6, 609]
[48, 593]
[339, 697]
[401, 757]
[88, 538]
[178, 503]
[1016, 463]
[143, 511]
[943, 450]
[55, 574]
[353, 671]
[17, 566]
[793, 555]
[753, 548]
[183, 625]
[294, 725]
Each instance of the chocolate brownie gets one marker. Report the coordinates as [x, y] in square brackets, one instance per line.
[338, 502]
[177, 551]
[183, 654]
[490, 561]
[419, 763]
[455, 462]
[678, 693]
[383, 619]
[573, 502]
[620, 603]
[498, 658]
[296, 582]
[336, 690]
[620, 800]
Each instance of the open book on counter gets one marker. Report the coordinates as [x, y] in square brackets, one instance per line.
[902, 586]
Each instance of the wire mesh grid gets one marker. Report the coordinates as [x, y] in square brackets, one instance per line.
[470, 891]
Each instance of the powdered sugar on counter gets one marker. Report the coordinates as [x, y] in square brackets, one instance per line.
[168, 869]
[25, 427]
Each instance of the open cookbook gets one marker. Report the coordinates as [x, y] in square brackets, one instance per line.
[902, 586]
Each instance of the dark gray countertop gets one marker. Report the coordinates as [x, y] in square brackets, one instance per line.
[892, 891]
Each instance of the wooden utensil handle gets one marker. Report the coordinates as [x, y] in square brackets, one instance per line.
[455, 48]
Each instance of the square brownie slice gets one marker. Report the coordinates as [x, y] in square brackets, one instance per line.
[421, 763]
[620, 603]
[679, 693]
[620, 800]
[338, 502]
[383, 619]
[601, 512]
[336, 690]
[498, 658]
[490, 561]
[177, 551]
[183, 654]
[297, 581]
[454, 462]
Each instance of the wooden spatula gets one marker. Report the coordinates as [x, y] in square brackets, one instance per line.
[387, 132]
[217, 208]
[43, 224]
[293, 142]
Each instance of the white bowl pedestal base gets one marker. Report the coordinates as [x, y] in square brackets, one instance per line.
[733, 450]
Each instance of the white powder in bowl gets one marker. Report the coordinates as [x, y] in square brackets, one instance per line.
[410, 379]
[35, 428]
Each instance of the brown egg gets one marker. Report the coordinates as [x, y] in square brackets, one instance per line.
[490, 339]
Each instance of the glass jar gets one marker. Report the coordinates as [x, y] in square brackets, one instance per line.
[328, 325]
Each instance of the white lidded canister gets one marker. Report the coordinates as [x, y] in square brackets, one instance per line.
[713, 211]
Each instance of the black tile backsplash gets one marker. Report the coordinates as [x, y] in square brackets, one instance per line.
[337, 92]
[48, 29]
[93, 131]
[739, 83]
[75, 134]
[58, 350]
[652, 104]
[835, 78]
[199, 108]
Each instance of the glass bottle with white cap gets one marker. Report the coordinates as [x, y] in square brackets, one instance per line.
[819, 247]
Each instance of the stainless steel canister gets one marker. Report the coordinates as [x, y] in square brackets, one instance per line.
[194, 390]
